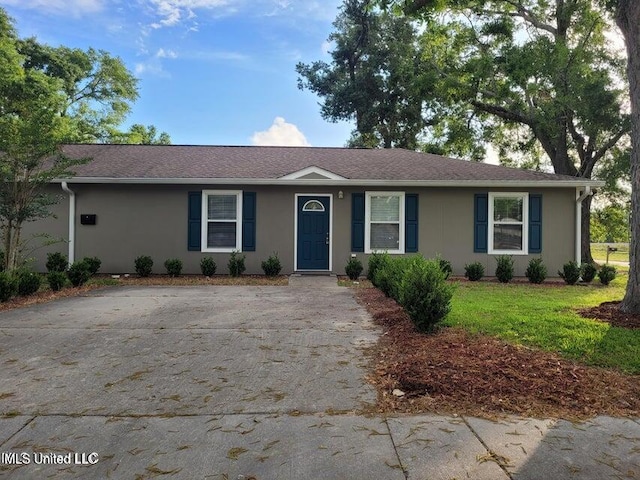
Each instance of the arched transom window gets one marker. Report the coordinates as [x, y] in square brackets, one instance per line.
[313, 206]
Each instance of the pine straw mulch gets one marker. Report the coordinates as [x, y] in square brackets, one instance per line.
[455, 372]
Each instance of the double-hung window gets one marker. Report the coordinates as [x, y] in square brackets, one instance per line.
[384, 222]
[221, 221]
[508, 219]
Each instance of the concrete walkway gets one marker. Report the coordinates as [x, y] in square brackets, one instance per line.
[248, 382]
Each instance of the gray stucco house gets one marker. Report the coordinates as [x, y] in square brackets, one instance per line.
[315, 207]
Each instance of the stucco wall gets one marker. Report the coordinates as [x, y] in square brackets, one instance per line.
[135, 220]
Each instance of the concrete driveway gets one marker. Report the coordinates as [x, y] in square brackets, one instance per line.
[246, 382]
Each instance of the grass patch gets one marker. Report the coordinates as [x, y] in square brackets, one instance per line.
[544, 316]
[599, 252]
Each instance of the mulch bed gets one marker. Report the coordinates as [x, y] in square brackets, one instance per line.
[455, 372]
[610, 312]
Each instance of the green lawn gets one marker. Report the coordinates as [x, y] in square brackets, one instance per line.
[599, 252]
[543, 316]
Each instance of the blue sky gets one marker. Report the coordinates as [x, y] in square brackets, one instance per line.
[216, 72]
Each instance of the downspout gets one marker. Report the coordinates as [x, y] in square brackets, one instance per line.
[579, 198]
[72, 221]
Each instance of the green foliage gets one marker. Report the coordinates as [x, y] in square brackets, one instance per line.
[93, 264]
[8, 286]
[208, 266]
[57, 262]
[445, 266]
[56, 280]
[610, 224]
[173, 267]
[474, 271]
[78, 274]
[588, 272]
[28, 282]
[143, 265]
[373, 78]
[424, 293]
[504, 268]
[272, 266]
[140, 135]
[546, 318]
[236, 264]
[353, 268]
[607, 274]
[570, 273]
[389, 275]
[375, 260]
[536, 271]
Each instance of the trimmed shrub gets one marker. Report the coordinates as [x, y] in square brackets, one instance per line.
[56, 280]
[78, 274]
[536, 271]
[588, 272]
[173, 266]
[445, 266]
[570, 273]
[28, 283]
[93, 264]
[272, 266]
[607, 274]
[474, 271]
[424, 293]
[389, 276]
[8, 286]
[375, 261]
[208, 266]
[57, 262]
[353, 268]
[236, 264]
[504, 269]
[143, 265]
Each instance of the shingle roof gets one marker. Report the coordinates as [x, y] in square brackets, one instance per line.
[227, 162]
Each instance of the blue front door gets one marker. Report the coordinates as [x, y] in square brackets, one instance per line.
[313, 233]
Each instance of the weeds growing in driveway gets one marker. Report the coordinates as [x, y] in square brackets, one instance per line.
[546, 317]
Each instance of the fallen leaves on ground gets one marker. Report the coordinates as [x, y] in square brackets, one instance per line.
[455, 372]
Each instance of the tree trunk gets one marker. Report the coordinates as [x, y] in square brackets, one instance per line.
[585, 241]
[628, 19]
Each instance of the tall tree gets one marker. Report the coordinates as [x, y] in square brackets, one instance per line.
[627, 15]
[31, 131]
[371, 79]
[97, 88]
[538, 72]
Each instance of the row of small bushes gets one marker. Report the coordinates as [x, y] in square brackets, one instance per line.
[236, 265]
[417, 284]
[24, 282]
[536, 271]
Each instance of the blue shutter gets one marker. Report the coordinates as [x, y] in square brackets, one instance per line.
[411, 222]
[194, 221]
[249, 222]
[357, 222]
[480, 222]
[535, 223]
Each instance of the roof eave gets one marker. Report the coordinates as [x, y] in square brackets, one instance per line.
[334, 182]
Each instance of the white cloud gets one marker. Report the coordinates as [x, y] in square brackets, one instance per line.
[281, 134]
[327, 46]
[172, 12]
[73, 7]
[162, 53]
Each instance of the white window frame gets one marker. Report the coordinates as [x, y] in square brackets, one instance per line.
[524, 223]
[205, 220]
[367, 224]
